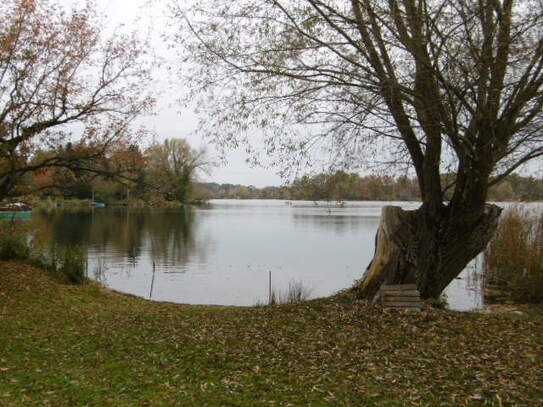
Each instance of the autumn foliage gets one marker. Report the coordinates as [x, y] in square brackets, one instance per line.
[63, 80]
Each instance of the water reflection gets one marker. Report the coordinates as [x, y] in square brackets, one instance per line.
[171, 237]
[335, 223]
[223, 253]
[124, 234]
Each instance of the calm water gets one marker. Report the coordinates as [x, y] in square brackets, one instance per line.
[222, 254]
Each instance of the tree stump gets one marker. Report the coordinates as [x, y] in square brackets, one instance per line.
[390, 250]
[413, 248]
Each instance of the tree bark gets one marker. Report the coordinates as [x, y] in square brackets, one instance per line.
[412, 249]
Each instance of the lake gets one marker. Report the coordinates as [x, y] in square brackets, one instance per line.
[223, 253]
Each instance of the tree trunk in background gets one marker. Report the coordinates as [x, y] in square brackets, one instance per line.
[409, 249]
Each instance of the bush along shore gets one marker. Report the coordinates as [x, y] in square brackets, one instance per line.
[66, 263]
[83, 345]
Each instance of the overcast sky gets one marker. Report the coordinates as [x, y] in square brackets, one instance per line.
[172, 120]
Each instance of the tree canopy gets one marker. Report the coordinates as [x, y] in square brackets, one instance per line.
[63, 80]
[450, 84]
[173, 167]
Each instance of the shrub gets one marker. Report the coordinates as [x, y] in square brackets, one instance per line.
[67, 263]
[72, 265]
[514, 258]
[14, 242]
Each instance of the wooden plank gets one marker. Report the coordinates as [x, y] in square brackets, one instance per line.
[413, 305]
[400, 298]
[418, 306]
[395, 287]
[406, 309]
[408, 293]
[403, 304]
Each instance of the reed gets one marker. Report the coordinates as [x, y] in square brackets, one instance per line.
[296, 292]
[513, 261]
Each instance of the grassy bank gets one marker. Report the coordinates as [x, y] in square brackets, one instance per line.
[66, 345]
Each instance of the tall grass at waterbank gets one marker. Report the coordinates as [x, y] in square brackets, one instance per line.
[68, 263]
[513, 261]
[296, 292]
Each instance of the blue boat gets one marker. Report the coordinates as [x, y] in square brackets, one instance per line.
[15, 211]
[98, 204]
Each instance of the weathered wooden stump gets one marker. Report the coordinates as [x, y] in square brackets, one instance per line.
[400, 296]
[394, 258]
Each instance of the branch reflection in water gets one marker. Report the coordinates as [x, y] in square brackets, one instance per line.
[222, 253]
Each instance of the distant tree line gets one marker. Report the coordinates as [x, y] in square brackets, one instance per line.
[169, 171]
[164, 171]
[342, 186]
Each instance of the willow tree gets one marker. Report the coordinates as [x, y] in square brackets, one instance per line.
[449, 86]
[63, 79]
[173, 167]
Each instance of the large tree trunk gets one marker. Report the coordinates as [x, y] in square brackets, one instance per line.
[410, 249]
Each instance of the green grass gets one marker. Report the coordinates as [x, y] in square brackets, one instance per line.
[63, 345]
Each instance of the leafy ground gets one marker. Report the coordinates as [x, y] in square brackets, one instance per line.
[85, 346]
